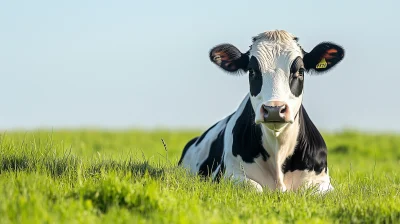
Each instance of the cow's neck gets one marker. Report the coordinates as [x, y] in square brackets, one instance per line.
[280, 146]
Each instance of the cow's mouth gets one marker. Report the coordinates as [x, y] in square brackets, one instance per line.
[276, 126]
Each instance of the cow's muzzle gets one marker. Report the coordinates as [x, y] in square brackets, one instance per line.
[275, 112]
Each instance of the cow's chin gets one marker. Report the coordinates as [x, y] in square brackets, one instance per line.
[276, 126]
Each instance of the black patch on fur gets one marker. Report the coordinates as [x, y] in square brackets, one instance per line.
[228, 118]
[221, 171]
[296, 80]
[215, 155]
[205, 133]
[255, 77]
[310, 152]
[243, 62]
[187, 146]
[247, 137]
[296, 65]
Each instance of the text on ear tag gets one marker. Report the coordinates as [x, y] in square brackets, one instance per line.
[322, 64]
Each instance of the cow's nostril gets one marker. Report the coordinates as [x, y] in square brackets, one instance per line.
[265, 107]
[283, 110]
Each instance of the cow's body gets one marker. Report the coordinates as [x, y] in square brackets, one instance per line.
[278, 150]
[236, 147]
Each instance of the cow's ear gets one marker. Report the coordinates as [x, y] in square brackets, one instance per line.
[229, 58]
[323, 57]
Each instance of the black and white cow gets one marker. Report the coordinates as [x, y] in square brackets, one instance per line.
[269, 140]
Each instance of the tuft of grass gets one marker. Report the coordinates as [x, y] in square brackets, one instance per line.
[89, 176]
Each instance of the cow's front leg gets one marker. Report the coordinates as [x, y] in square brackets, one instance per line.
[279, 186]
[309, 179]
[240, 178]
[256, 185]
[325, 187]
[321, 181]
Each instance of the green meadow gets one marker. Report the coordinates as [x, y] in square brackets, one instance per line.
[94, 176]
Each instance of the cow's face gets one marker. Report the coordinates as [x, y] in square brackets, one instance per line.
[276, 65]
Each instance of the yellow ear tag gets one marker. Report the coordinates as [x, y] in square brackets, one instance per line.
[322, 64]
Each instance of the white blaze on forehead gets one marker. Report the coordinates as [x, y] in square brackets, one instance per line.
[275, 49]
[276, 86]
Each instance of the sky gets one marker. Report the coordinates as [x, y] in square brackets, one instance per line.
[144, 64]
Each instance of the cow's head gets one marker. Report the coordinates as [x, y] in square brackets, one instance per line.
[276, 65]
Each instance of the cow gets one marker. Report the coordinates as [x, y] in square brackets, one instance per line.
[269, 141]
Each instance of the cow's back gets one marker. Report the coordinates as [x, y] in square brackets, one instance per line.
[202, 155]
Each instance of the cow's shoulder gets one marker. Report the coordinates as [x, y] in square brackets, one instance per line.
[245, 137]
[310, 152]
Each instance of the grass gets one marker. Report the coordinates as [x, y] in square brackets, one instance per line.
[86, 176]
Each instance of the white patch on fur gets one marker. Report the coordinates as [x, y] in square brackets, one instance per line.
[279, 148]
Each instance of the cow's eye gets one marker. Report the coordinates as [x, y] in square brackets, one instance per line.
[251, 72]
[301, 71]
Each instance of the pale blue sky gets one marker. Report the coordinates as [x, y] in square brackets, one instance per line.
[121, 64]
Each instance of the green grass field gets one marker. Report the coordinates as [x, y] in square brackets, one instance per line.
[128, 177]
